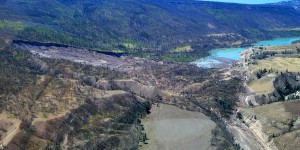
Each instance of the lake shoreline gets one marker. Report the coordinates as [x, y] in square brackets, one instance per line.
[211, 61]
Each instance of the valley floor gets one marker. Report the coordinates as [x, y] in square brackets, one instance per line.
[169, 127]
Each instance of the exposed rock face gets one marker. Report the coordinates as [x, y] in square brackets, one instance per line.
[110, 94]
[275, 124]
[149, 92]
[285, 84]
[67, 105]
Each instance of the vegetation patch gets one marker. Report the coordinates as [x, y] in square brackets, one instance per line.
[273, 117]
[263, 85]
[279, 64]
[12, 26]
[281, 49]
[154, 27]
[186, 48]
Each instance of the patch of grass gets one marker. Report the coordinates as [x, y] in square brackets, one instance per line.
[12, 26]
[186, 48]
[129, 45]
[45, 34]
[220, 14]
[280, 49]
[18, 57]
[274, 118]
[263, 85]
[277, 64]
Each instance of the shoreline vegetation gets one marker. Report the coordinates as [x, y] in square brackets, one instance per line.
[168, 30]
[224, 57]
[181, 56]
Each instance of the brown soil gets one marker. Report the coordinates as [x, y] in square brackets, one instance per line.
[169, 127]
[293, 108]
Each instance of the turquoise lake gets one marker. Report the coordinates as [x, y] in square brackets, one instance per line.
[226, 55]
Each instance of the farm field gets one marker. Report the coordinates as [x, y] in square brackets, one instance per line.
[263, 85]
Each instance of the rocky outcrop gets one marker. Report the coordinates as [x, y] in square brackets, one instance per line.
[273, 124]
[286, 86]
[148, 92]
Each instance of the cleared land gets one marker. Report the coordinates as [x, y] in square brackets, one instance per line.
[290, 48]
[277, 64]
[286, 58]
[183, 48]
[263, 85]
[169, 127]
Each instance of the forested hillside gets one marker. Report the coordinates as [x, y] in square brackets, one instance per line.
[157, 29]
[291, 3]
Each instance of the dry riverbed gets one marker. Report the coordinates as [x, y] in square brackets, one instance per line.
[169, 127]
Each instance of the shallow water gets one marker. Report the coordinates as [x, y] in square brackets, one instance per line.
[221, 56]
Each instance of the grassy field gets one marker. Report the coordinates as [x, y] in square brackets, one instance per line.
[280, 49]
[285, 60]
[263, 85]
[277, 64]
[273, 117]
[274, 112]
[186, 48]
[278, 119]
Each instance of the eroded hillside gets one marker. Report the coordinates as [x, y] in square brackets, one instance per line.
[53, 103]
[270, 107]
[70, 98]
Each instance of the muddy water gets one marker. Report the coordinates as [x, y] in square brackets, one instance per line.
[169, 127]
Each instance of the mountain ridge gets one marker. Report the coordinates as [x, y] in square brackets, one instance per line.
[291, 3]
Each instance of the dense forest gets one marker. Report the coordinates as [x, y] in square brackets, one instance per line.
[161, 30]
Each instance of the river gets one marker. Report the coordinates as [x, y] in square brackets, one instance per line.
[224, 56]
